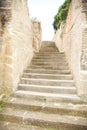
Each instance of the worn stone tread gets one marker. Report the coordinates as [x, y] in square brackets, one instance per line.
[16, 126]
[48, 107]
[43, 119]
[48, 96]
[49, 67]
[48, 89]
[49, 82]
[47, 76]
[47, 71]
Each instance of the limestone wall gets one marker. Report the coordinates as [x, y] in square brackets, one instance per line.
[16, 42]
[5, 17]
[71, 38]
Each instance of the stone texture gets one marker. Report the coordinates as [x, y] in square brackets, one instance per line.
[16, 42]
[36, 35]
[71, 38]
[45, 106]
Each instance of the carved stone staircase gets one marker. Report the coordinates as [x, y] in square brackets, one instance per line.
[46, 98]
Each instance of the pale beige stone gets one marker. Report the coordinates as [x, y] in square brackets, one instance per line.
[37, 35]
[8, 68]
[71, 38]
[16, 43]
[8, 60]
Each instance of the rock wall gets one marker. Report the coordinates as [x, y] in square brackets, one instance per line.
[37, 35]
[71, 38]
[5, 52]
[16, 42]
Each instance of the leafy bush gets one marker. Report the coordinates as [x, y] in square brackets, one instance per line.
[61, 14]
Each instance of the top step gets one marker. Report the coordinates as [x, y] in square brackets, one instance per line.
[48, 43]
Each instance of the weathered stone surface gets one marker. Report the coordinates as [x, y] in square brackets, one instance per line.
[58, 107]
[71, 38]
[36, 35]
[16, 42]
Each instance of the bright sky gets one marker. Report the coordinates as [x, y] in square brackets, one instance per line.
[44, 11]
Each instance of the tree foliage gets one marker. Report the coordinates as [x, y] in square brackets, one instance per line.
[61, 14]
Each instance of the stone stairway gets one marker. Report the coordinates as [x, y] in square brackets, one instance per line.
[46, 98]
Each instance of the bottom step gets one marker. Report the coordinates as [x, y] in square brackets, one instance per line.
[44, 120]
[15, 126]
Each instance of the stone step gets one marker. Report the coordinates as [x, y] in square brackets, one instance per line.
[38, 62]
[56, 53]
[47, 71]
[48, 44]
[56, 67]
[49, 63]
[53, 48]
[45, 53]
[44, 120]
[16, 126]
[47, 89]
[61, 60]
[46, 82]
[48, 51]
[49, 55]
[51, 58]
[47, 76]
[48, 107]
[48, 97]
[48, 48]
[49, 67]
